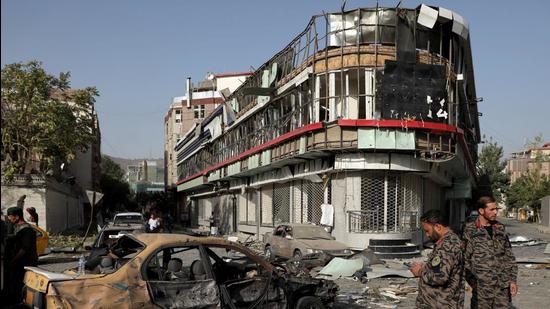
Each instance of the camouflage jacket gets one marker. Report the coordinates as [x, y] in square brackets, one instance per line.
[441, 282]
[489, 260]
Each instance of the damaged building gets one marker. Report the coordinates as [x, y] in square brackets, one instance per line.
[362, 122]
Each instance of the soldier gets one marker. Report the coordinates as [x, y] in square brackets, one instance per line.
[22, 253]
[490, 264]
[441, 279]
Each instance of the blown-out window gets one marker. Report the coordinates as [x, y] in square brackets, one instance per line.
[347, 94]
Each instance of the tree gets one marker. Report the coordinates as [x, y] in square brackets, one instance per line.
[43, 120]
[116, 191]
[491, 171]
[528, 190]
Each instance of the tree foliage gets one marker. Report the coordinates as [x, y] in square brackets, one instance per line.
[111, 168]
[491, 170]
[43, 120]
[116, 191]
[527, 191]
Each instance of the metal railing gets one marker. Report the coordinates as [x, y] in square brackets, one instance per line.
[372, 221]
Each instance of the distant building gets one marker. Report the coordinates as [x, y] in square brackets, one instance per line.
[529, 160]
[181, 117]
[146, 176]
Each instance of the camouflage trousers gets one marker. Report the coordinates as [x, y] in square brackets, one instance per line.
[491, 297]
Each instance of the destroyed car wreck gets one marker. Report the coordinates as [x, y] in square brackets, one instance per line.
[177, 271]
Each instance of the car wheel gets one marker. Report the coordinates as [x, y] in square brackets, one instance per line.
[309, 302]
[297, 254]
[268, 253]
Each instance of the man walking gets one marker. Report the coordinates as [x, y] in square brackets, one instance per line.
[23, 244]
[441, 278]
[490, 265]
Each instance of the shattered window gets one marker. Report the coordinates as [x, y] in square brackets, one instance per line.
[244, 279]
[178, 277]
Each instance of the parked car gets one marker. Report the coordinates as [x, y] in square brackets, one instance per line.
[128, 218]
[42, 239]
[177, 271]
[292, 240]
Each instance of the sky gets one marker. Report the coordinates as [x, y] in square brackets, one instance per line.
[139, 53]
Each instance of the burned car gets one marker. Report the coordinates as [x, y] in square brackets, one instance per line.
[108, 236]
[178, 271]
[293, 240]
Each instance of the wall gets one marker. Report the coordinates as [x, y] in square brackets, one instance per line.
[81, 168]
[64, 209]
[58, 208]
[36, 197]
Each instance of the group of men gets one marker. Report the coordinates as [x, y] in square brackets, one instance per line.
[18, 251]
[483, 257]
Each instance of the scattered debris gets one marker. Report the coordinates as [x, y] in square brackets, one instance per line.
[533, 260]
[368, 256]
[547, 250]
[521, 241]
[339, 267]
[389, 297]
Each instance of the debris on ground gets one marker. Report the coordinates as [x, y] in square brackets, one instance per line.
[367, 256]
[389, 297]
[521, 241]
[339, 267]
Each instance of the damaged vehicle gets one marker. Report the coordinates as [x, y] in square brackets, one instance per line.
[292, 240]
[177, 271]
[106, 238]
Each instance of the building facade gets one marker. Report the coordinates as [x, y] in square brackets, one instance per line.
[183, 115]
[146, 176]
[535, 159]
[363, 121]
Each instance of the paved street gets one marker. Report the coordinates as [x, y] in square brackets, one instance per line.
[534, 281]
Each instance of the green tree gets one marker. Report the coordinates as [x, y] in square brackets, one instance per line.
[491, 170]
[115, 189]
[528, 190]
[43, 120]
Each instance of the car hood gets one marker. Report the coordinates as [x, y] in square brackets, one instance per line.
[323, 244]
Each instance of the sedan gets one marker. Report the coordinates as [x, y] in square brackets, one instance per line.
[292, 240]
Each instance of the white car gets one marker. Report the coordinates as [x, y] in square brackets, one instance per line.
[128, 218]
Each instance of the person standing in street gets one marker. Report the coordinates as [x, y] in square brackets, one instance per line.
[33, 215]
[23, 244]
[491, 268]
[153, 224]
[441, 278]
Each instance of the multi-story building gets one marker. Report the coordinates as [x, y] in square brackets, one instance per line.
[535, 159]
[363, 121]
[146, 176]
[183, 114]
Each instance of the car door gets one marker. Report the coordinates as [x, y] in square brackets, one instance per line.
[189, 285]
[287, 242]
[276, 240]
[243, 280]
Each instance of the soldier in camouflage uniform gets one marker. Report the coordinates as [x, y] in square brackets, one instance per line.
[490, 265]
[441, 278]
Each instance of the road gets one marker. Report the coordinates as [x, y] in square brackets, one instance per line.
[533, 281]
